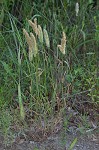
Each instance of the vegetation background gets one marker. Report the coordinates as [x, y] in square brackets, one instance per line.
[42, 89]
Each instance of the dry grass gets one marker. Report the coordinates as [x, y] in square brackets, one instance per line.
[63, 44]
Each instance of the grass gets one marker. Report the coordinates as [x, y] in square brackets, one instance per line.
[41, 86]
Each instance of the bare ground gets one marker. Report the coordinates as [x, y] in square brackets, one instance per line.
[59, 141]
[67, 132]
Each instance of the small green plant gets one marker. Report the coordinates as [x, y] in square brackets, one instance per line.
[73, 144]
[5, 124]
[36, 149]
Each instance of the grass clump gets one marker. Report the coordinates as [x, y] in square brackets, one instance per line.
[49, 65]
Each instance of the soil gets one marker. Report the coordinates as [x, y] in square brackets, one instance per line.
[62, 132]
[59, 141]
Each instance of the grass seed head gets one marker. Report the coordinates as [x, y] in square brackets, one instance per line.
[35, 21]
[35, 48]
[77, 8]
[46, 37]
[63, 44]
[34, 26]
[40, 34]
[30, 44]
[30, 54]
[28, 39]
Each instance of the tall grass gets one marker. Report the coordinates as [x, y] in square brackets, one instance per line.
[38, 75]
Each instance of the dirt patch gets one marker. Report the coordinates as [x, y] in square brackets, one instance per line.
[60, 133]
[59, 141]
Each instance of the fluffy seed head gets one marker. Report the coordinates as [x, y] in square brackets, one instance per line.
[34, 26]
[40, 34]
[28, 39]
[46, 37]
[63, 44]
[77, 8]
[30, 54]
[35, 21]
[35, 48]
[31, 41]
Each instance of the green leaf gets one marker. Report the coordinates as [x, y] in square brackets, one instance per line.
[73, 144]
[22, 114]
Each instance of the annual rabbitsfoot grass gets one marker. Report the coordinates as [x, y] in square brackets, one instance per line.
[47, 66]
